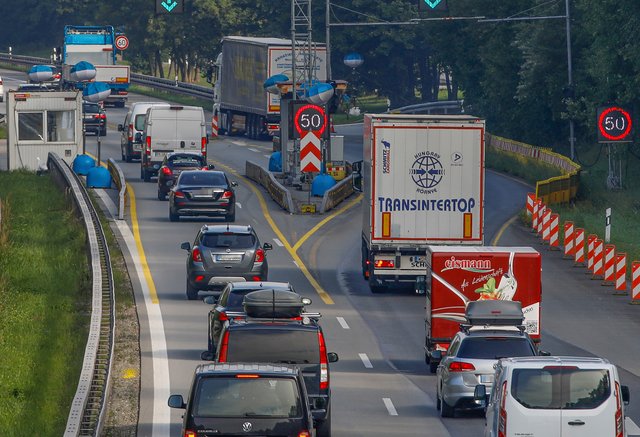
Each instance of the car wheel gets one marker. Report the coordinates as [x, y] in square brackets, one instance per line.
[103, 132]
[438, 403]
[210, 346]
[173, 216]
[141, 173]
[147, 176]
[323, 429]
[161, 195]
[192, 293]
[446, 410]
[127, 157]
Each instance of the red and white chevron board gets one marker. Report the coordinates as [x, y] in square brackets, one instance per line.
[310, 152]
[531, 199]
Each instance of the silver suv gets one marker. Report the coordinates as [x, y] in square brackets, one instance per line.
[224, 253]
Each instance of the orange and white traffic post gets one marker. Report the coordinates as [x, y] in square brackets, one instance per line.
[609, 264]
[569, 247]
[541, 210]
[554, 225]
[635, 282]
[621, 274]
[598, 256]
[531, 200]
[214, 127]
[590, 249]
[578, 246]
[546, 225]
[536, 216]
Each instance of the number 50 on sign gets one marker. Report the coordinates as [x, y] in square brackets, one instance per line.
[614, 125]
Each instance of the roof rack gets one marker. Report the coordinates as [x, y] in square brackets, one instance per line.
[468, 329]
[305, 318]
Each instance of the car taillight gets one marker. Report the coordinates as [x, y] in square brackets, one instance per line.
[222, 316]
[304, 434]
[259, 256]
[460, 366]
[502, 419]
[166, 171]
[324, 365]
[189, 433]
[384, 264]
[196, 255]
[203, 146]
[179, 194]
[102, 116]
[224, 345]
[148, 144]
[205, 168]
[619, 419]
[227, 195]
[130, 133]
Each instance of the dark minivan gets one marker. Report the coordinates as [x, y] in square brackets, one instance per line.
[245, 399]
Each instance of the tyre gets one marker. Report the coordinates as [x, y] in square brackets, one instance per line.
[173, 217]
[323, 429]
[210, 346]
[127, 156]
[103, 132]
[161, 195]
[446, 410]
[438, 403]
[192, 293]
[146, 176]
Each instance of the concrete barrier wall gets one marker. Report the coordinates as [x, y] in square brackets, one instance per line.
[118, 178]
[276, 190]
[336, 194]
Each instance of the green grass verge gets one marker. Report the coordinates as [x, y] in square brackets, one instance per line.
[519, 166]
[44, 305]
[368, 104]
[3, 131]
[207, 105]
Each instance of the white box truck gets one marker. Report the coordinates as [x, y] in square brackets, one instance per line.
[423, 184]
[240, 101]
[39, 122]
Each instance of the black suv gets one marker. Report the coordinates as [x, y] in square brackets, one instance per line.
[94, 118]
[246, 399]
[224, 253]
[275, 329]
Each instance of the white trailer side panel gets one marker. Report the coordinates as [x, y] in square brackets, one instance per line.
[43, 122]
[427, 180]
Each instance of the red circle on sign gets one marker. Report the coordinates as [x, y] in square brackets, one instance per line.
[122, 42]
[604, 132]
[301, 110]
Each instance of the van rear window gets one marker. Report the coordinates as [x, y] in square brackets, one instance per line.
[274, 346]
[139, 122]
[247, 397]
[561, 388]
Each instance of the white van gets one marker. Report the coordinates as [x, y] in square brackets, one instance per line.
[171, 129]
[133, 124]
[555, 397]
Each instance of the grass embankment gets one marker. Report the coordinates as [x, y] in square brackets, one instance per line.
[3, 131]
[44, 305]
[588, 211]
[207, 105]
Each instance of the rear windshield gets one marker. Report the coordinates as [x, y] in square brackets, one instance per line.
[495, 347]
[561, 388]
[88, 107]
[139, 121]
[247, 397]
[186, 160]
[229, 240]
[202, 178]
[274, 346]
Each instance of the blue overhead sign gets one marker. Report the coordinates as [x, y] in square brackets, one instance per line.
[169, 7]
[432, 5]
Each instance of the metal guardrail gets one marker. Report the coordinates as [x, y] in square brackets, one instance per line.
[88, 406]
[336, 194]
[118, 178]
[278, 192]
[439, 107]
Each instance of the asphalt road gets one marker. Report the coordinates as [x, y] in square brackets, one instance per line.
[381, 386]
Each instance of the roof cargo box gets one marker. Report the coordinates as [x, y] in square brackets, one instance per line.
[273, 304]
[494, 312]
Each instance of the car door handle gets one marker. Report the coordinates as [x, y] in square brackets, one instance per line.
[576, 422]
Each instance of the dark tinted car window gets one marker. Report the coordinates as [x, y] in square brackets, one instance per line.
[290, 346]
[229, 240]
[247, 397]
[202, 178]
[186, 161]
[139, 122]
[495, 347]
[90, 108]
[561, 388]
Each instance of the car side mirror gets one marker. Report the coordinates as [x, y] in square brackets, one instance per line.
[480, 395]
[267, 246]
[626, 396]
[211, 300]
[544, 353]
[207, 356]
[185, 246]
[176, 401]
[332, 357]
[212, 167]
[234, 184]
[120, 128]
[138, 137]
[306, 301]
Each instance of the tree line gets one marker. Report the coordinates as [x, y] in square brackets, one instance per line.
[513, 73]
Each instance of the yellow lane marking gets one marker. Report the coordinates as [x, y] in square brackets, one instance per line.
[502, 229]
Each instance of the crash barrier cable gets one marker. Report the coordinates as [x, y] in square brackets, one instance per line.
[87, 413]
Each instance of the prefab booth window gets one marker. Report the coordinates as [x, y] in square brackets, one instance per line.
[59, 126]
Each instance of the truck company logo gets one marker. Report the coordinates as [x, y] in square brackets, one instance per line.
[456, 159]
[389, 204]
[386, 157]
[426, 172]
[470, 265]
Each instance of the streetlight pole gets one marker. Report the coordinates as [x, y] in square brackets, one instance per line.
[572, 140]
[328, 38]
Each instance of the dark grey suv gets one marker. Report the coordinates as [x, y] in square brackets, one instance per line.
[224, 253]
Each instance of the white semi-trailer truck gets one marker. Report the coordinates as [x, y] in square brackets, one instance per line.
[423, 184]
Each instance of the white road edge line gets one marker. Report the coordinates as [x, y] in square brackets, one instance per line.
[278, 242]
[630, 425]
[390, 408]
[161, 384]
[366, 361]
[253, 150]
[238, 204]
[267, 156]
[296, 264]
[343, 322]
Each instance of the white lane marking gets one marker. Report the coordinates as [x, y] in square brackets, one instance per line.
[278, 242]
[296, 264]
[366, 361]
[160, 360]
[238, 143]
[238, 204]
[267, 156]
[630, 425]
[342, 322]
[390, 408]
[254, 150]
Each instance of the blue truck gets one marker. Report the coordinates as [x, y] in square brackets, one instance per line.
[96, 45]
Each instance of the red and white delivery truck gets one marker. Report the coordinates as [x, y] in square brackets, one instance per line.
[462, 274]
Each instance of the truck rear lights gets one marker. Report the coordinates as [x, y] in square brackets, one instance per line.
[196, 255]
[384, 264]
[203, 146]
[189, 433]
[304, 434]
[259, 256]
[166, 171]
[256, 278]
[247, 376]
[460, 366]
[324, 364]
[147, 149]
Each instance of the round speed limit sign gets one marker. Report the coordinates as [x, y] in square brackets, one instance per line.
[122, 42]
[309, 118]
[614, 125]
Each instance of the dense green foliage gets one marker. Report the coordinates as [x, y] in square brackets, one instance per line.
[513, 73]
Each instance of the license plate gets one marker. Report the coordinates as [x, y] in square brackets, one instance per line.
[486, 379]
[202, 196]
[137, 147]
[229, 258]
[159, 154]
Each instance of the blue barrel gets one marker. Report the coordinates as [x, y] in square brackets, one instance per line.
[82, 164]
[98, 177]
[321, 183]
[275, 162]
